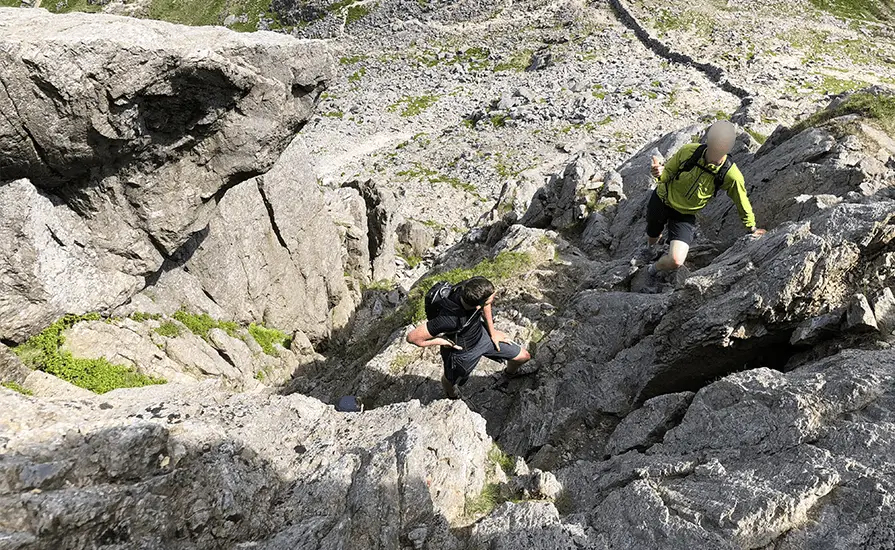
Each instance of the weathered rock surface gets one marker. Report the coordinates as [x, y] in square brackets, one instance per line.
[648, 424]
[133, 135]
[795, 460]
[193, 467]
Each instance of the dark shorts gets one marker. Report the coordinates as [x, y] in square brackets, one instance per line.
[681, 227]
[459, 364]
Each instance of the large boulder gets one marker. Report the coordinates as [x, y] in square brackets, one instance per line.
[193, 467]
[133, 134]
[844, 159]
[796, 460]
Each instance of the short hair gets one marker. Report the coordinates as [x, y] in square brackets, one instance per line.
[723, 132]
[476, 291]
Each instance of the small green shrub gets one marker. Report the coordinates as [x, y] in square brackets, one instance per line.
[412, 260]
[400, 362]
[15, 386]
[201, 323]
[168, 329]
[44, 352]
[267, 337]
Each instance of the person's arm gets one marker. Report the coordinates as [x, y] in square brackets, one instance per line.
[496, 336]
[420, 336]
[665, 173]
[736, 190]
[671, 167]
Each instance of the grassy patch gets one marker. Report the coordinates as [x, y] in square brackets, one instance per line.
[413, 105]
[357, 75]
[67, 6]
[201, 323]
[382, 285]
[879, 109]
[692, 21]
[139, 316]
[518, 62]
[352, 59]
[268, 337]
[858, 9]
[44, 352]
[334, 114]
[15, 386]
[412, 260]
[498, 270]
[351, 10]
[499, 458]
[485, 502]
[401, 362]
[168, 329]
[433, 176]
[757, 136]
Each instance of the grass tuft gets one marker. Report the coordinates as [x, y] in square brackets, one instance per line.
[201, 323]
[168, 329]
[413, 105]
[268, 337]
[485, 502]
[15, 386]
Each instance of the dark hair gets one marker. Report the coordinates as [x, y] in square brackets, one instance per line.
[476, 291]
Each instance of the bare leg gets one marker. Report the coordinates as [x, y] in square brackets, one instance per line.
[677, 255]
[516, 362]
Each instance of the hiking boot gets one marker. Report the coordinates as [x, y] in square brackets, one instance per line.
[450, 390]
[646, 255]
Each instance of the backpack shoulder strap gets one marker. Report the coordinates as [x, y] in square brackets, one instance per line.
[691, 162]
[721, 176]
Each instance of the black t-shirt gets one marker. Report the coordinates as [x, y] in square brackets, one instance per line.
[451, 320]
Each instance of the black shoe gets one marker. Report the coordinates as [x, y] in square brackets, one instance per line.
[450, 390]
[646, 255]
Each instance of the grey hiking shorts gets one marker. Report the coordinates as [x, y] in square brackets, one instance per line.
[459, 364]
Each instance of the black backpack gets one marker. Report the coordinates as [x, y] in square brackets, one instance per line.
[693, 162]
[437, 298]
[438, 302]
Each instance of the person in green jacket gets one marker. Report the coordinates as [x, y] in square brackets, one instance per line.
[681, 193]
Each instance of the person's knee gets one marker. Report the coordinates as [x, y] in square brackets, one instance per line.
[523, 356]
[677, 260]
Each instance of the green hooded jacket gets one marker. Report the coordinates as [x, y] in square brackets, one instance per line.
[692, 190]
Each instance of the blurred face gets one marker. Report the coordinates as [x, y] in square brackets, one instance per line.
[721, 138]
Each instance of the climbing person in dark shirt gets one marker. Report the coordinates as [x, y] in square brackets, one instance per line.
[461, 322]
